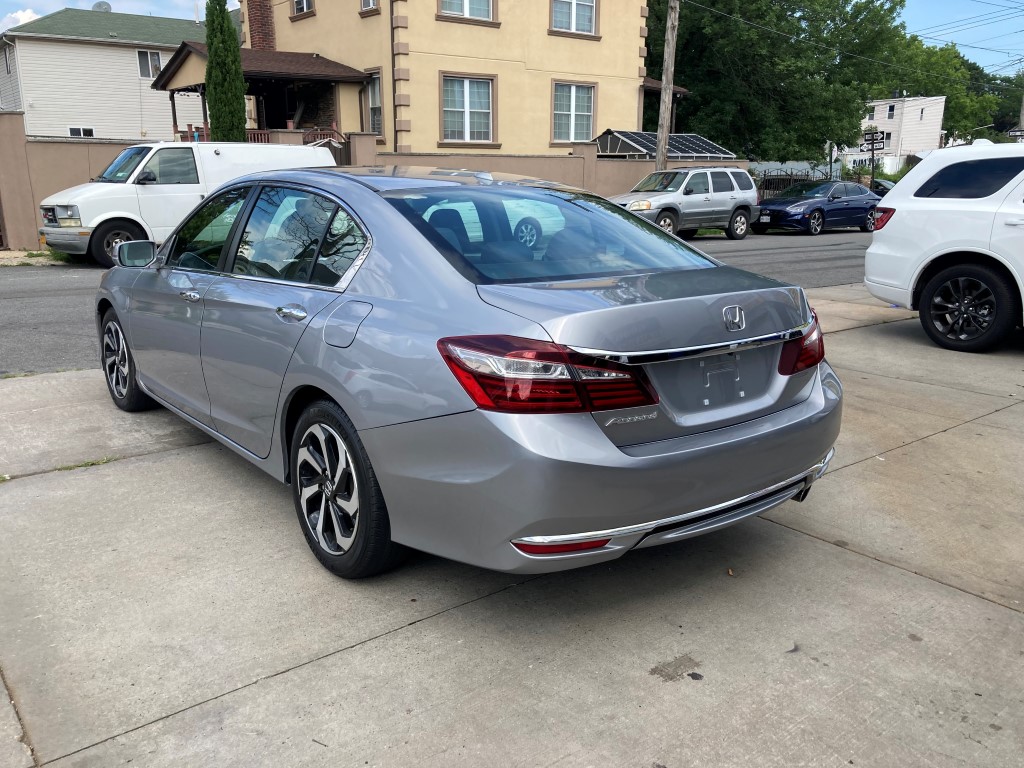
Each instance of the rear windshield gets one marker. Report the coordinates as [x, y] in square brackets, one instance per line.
[661, 182]
[521, 234]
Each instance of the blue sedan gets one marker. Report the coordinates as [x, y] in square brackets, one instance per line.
[814, 206]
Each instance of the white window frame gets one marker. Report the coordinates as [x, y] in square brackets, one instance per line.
[888, 140]
[301, 6]
[891, 113]
[573, 114]
[149, 63]
[81, 132]
[871, 114]
[466, 111]
[573, 4]
[466, 14]
[375, 79]
[368, 5]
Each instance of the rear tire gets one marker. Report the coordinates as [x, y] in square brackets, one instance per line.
[869, 222]
[667, 221]
[332, 479]
[739, 225]
[118, 366]
[108, 236]
[969, 308]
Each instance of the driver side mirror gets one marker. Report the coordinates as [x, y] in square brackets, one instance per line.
[146, 177]
[136, 253]
[688, 191]
[835, 197]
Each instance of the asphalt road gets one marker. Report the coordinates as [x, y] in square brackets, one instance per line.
[47, 322]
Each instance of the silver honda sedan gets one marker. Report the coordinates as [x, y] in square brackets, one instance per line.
[382, 340]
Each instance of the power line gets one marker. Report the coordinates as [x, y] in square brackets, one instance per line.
[830, 49]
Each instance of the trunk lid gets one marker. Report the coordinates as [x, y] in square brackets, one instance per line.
[723, 377]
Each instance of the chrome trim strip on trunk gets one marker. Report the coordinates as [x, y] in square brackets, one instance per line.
[812, 473]
[666, 355]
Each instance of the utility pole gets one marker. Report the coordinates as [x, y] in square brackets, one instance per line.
[667, 83]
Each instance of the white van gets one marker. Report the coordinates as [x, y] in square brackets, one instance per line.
[149, 188]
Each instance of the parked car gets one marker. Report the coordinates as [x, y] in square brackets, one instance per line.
[516, 409]
[688, 199]
[814, 206]
[881, 187]
[948, 243]
[149, 188]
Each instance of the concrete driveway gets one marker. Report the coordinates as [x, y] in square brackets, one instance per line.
[160, 607]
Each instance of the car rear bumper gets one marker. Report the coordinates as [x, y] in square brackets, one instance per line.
[466, 486]
[68, 240]
[889, 294]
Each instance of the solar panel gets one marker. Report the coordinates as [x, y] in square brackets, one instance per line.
[680, 145]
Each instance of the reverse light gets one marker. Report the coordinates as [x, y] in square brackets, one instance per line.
[515, 375]
[556, 549]
[639, 205]
[882, 216]
[803, 353]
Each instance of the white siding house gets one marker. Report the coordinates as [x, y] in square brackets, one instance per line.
[87, 74]
[909, 125]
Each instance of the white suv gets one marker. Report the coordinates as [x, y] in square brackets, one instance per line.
[949, 242]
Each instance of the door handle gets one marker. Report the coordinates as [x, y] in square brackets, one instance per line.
[707, 199]
[192, 296]
[1014, 222]
[291, 312]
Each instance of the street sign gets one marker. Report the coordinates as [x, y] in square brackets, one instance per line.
[1016, 132]
[873, 136]
[872, 147]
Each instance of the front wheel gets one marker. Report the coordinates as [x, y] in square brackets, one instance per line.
[109, 235]
[528, 232]
[667, 221]
[869, 222]
[337, 499]
[816, 223]
[968, 308]
[738, 225]
[119, 367]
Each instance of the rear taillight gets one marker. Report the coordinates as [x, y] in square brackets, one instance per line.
[882, 216]
[514, 375]
[803, 353]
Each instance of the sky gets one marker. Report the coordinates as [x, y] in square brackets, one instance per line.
[989, 32]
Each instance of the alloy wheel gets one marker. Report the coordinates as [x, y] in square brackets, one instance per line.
[115, 360]
[114, 239]
[526, 234]
[963, 308]
[328, 488]
[740, 225]
[869, 222]
[667, 223]
[816, 223]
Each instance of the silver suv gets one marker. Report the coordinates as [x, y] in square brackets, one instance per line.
[684, 200]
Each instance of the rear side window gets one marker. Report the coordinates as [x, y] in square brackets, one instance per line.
[742, 180]
[972, 179]
[720, 182]
[343, 242]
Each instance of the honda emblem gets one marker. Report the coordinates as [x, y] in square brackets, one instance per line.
[735, 320]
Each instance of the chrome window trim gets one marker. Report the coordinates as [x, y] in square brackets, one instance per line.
[667, 355]
[813, 473]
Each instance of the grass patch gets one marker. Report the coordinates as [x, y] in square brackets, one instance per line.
[708, 232]
[15, 375]
[4, 478]
[93, 463]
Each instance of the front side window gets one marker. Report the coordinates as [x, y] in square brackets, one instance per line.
[573, 112]
[467, 109]
[574, 16]
[200, 240]
[661, 182]
[172, 166]
[471, 9]
[149, 64]
[123, 165]
[302, 6]
[373, 104]
[697, 185]
[283, 234]
[972, 179]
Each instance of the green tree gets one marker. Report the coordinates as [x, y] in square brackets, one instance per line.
[225, 86]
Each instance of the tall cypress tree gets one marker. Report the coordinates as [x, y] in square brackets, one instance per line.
[225, 87]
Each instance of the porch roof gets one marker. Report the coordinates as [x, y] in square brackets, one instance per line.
[256, 65]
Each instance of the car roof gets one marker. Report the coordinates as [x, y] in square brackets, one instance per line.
[384, 178]
[701, 168]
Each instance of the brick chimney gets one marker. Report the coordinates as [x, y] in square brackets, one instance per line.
[260, 16]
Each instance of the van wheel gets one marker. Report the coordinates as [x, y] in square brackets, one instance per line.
[968, 308]
[108, 236]
[738, 226]
[667, 221]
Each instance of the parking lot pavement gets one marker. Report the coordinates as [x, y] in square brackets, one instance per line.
[163, 609]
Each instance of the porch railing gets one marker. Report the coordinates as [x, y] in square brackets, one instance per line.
[311, 137]
[198, 133]
[254, 136]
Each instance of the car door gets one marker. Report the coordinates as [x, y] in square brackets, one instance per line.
[167, 305]
[723, 198]
[696, 204]
[1007, 239]
[281, 275]
[836, 207]
[168, 187]
[858, 202]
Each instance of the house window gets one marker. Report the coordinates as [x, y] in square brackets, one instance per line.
[80, 133]
[871, 114]
[303, 6]
[149, 64]
[467, 109]
[573, 112]
[7, 58]
[888, 140]
[366, 5]
[574, 16]
[892, 111]
[373, 104]
[472, 9]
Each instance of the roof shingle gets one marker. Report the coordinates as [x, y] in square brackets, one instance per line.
[115, 27]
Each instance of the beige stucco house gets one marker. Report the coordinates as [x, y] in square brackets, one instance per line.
[487, 76]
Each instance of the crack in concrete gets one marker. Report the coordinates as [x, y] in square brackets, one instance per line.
[23, 737]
